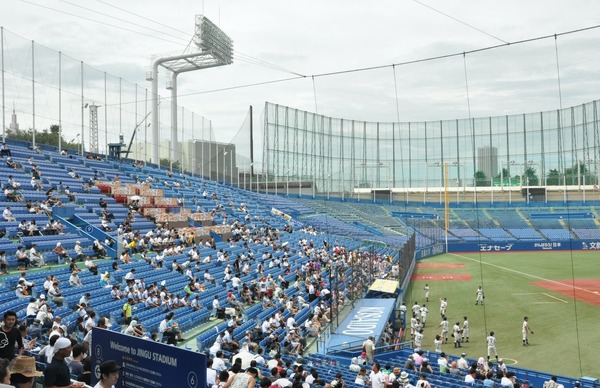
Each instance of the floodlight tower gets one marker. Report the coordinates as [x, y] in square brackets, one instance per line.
[94, 128]
[214, 48]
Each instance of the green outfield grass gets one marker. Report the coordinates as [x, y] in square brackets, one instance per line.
[567, 331]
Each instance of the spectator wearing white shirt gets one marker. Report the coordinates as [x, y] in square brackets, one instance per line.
[130, 275]
[74, 279]
[79, 255]
[218, 363]
[90, 322]
[8, 215]
[208, 277]
[215, 306]
[36, 258]
[377, 377]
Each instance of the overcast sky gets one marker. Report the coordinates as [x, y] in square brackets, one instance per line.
[312, 37]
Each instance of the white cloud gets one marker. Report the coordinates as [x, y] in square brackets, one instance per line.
[311, 37]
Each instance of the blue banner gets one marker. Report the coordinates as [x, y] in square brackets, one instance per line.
[367, 319]
[433, 250]
[146, 363]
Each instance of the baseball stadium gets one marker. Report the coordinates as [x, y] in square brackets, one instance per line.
[307, 248]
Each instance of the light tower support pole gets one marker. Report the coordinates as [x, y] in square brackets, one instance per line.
[215, 48]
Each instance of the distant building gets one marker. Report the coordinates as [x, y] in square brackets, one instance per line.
[14, 126]
[487, 161]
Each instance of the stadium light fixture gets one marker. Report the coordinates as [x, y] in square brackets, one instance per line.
[212, 48]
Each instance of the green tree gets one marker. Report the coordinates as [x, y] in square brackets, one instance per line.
[166, 163]
[503, 175]
[530, 177]
[46, 136]
[481, 179]
[553, 178]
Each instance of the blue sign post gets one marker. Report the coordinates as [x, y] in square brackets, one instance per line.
[145, 363]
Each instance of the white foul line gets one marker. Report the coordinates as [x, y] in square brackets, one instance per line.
[540, 293]
[554, 297]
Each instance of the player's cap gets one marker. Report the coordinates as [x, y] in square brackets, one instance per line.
[463, 354]
[500, 360]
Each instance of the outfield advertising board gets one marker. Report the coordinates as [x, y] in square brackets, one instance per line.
[146, 363]
[490, 246]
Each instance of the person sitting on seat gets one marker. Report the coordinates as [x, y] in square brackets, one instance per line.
[70, 194]
[36, 173]
[22, 257]
[5, 151]
[23, 228]
[61, 252]
[79, 255]
[7, 215]
[12, 195]
[89, 264]
[32, 229]
[99, 249]
[104, 225]
[10, 163]
[55, 295]
[35, 257]
[3, 263]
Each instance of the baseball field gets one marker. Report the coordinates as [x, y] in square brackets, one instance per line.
[558, 291]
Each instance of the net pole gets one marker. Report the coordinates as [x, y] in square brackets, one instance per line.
[446, 204]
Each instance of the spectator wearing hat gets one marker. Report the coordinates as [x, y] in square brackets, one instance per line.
[462, 362]
[57, 372]
[79, 255]
[10, 163]
[74, 279]
[23, 372]
[109, 374]
[61, 252]
[502, 366]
